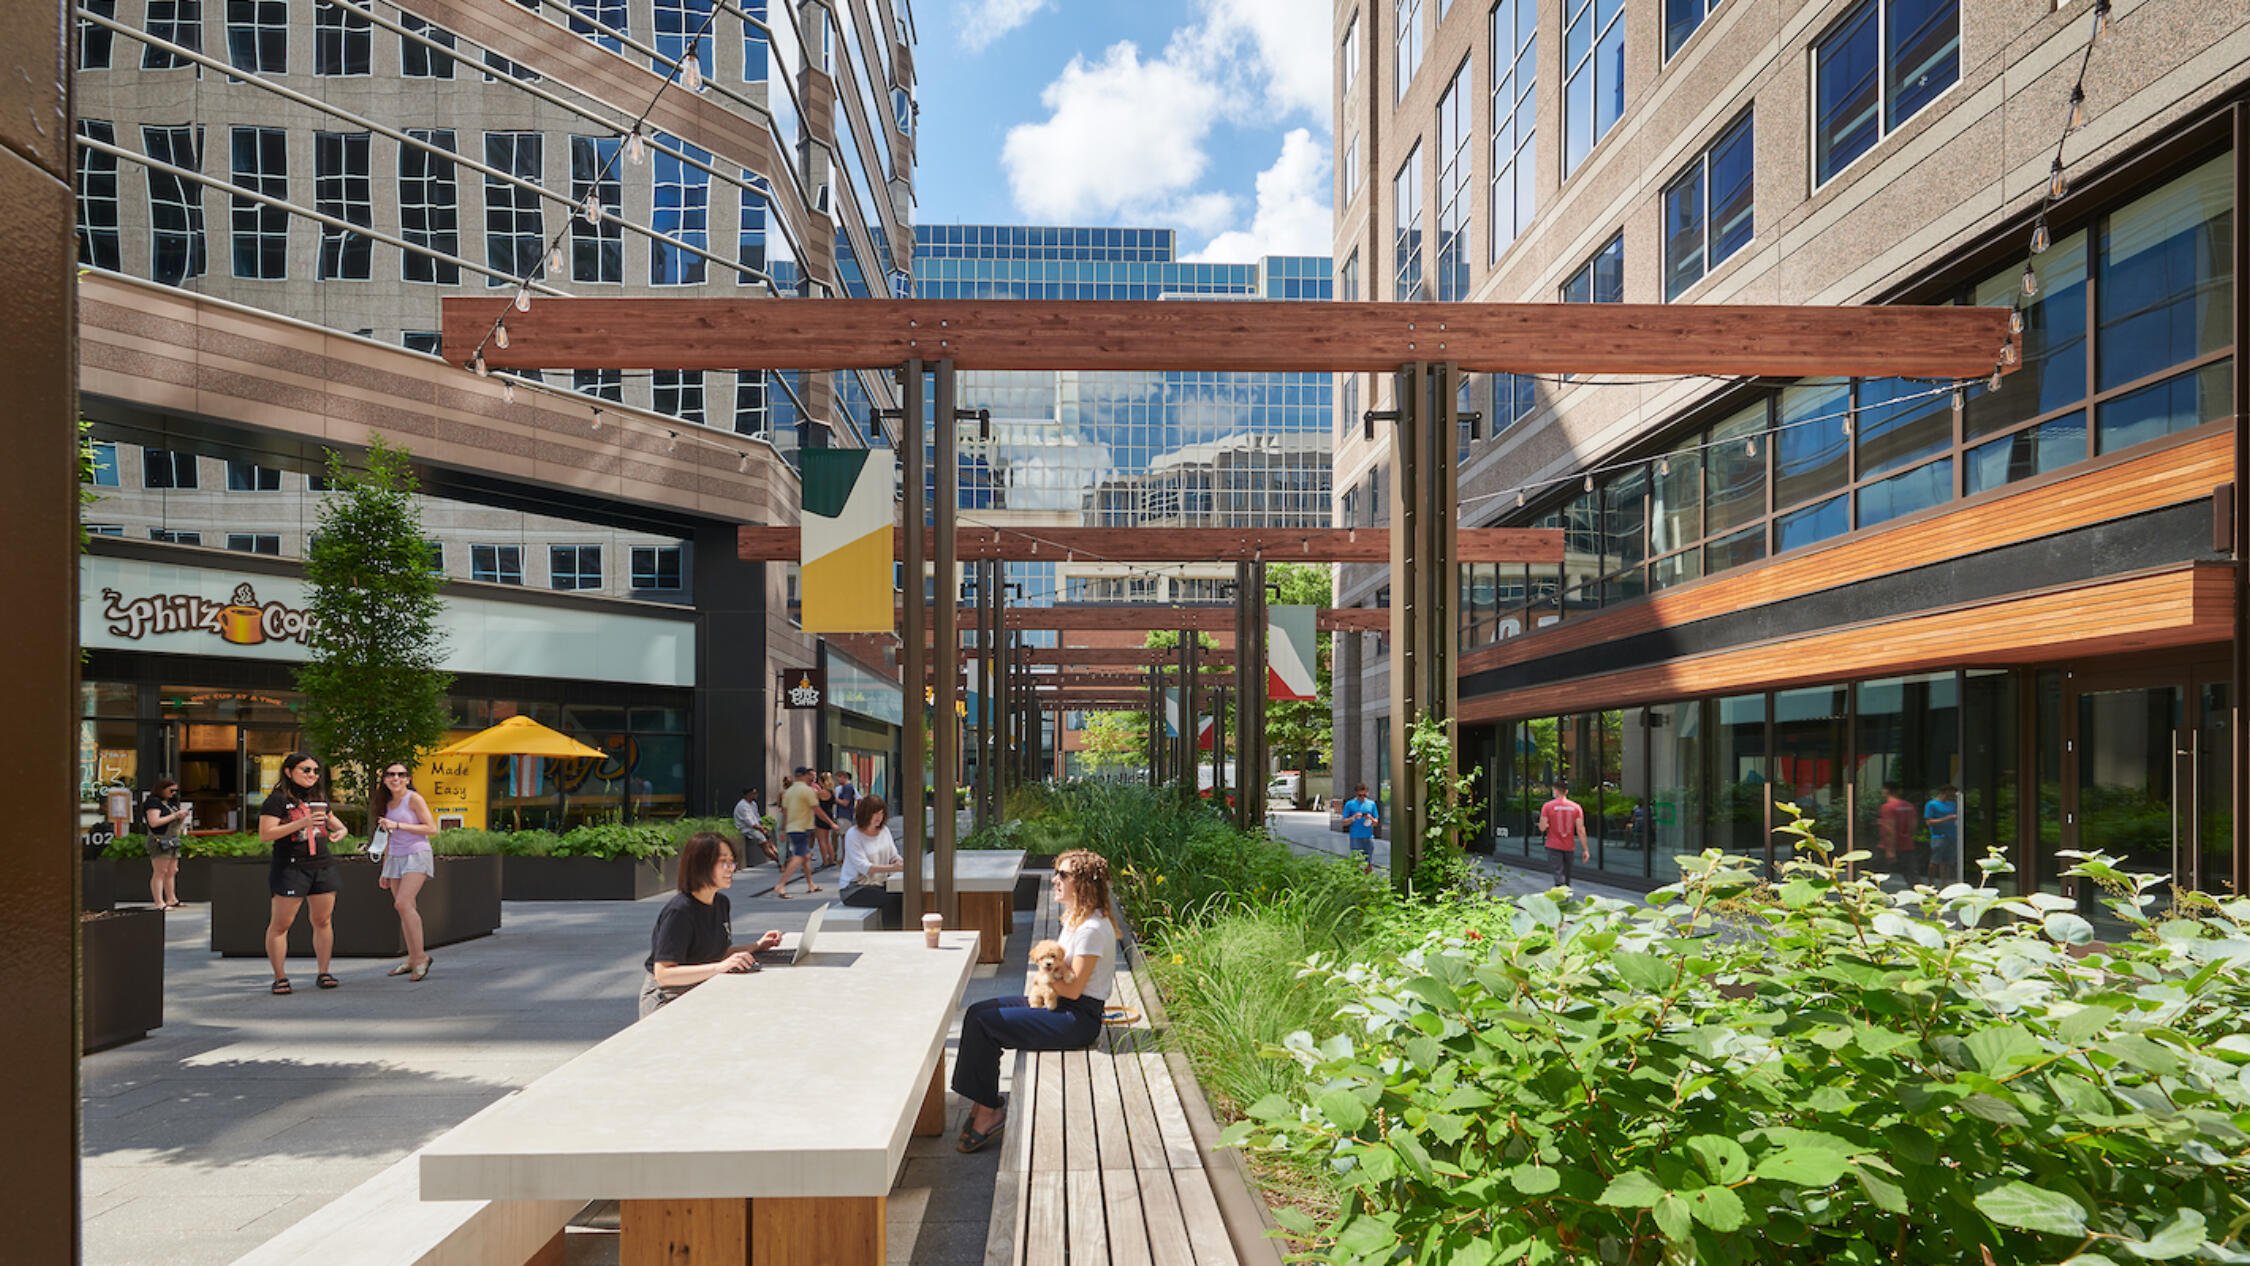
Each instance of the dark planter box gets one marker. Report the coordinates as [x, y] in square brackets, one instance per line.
[130, 875]
[586, 878]
[121, 976]
[97, 887]
[460, 902]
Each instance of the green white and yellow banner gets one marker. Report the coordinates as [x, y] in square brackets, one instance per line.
[846, 540]
[1291, 653]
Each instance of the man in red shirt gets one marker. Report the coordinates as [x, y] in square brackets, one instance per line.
[1564, 825]
[1895, 824]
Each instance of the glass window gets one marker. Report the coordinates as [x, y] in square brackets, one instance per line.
[1808, 759]
[2176, 404]
[417, 60]
[1515, 140]
[1673, 569]
[1347, 278]
[1906, 755]
[429, 208]
[496, 564]
[343, 38]
[678, 392]
[1625, 507]
[1676, 501]
[100, 233]
[601, 21]
[1406, 188]
[1600, 279]
[682, 213]
[1681, 18]
[1347, 60]
[1593, 76]
[605, 384]
[1735, 473]
[249, 477]
[514, 222]
[680, 23]
[1811, 448]
[1736, 774]
[2164, 278]
[1814, 523]
[1900, 420]
[254, 542]
[163, 468]
[1350, 169]
[175, 204]
[1747, 546]
[178, 21]
[1707, 209]
[597, 251]
[258, 36]
[343, 188]
[104, 465]
[1991, 793]
[2035, 450]
[1407, 23]
[1875, 69]
[1455, 130]
[574, 566]
[171, 537]
[95, 41]
[1916, 489]
[2053, 373]
[750, 233]
[259, 231]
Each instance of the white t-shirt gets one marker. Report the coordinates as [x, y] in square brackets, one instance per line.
[864, 849]
[1095, 936]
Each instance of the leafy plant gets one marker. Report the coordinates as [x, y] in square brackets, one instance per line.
[1813, 1070]
[470, 842]
[1450, 812]
[642, 843]
[240, 844]
[372, 686]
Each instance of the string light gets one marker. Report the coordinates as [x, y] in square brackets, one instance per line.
[597, 419]
[743, 466]
[500, 336]
[2040, 238]
[1997, 381]
[1663, 466]
[591, 212]
[555, 261]
[507, 390]
[1589, 483]
[1847, 426]
[2077, 107]
[636, 149]
[2058, 184]
[1750, 447]
[691, 69]
[671, 441]
[2101, 19]
[523, 299]
[2015, 320]
[477, 364]
[2030, 281]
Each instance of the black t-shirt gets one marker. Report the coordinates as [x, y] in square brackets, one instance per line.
[689, 932]
[153, 803]
[305, 846]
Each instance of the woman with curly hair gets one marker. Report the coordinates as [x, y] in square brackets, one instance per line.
[1081, 881]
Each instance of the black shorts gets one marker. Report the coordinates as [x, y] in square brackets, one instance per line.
[301, 878]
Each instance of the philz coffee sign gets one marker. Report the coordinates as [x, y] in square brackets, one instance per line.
[241, 619]
[803, 687]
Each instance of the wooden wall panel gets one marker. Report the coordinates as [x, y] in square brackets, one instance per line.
[2179, 606]
[2171, 476]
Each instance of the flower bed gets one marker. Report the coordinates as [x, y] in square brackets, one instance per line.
[121, 976]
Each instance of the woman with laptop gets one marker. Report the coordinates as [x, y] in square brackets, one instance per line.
[1081, 880]
[694, 936]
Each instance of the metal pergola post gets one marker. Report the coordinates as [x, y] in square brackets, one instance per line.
[1424, 588]
[980, 785]
[1155, 727]
[945, 637]
[915, 657]
[1191, 715]
[1003, 695]
[1252, 654]
[1242, 686]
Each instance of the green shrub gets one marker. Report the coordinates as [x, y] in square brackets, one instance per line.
[470, 842]
[642, 842]
[1808, 1071]
[680, 830]
[236, 845]
[126, 847]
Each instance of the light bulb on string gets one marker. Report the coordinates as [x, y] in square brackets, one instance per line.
[1589, 483]
[671, 441]
[1847, 426]
[636, 149]
[1663, 466]
[523, 299]
[691, 70]
[2077, 107]
[597, 419]
[555, 261]
[2007, 353]
[1750, 447]
[507, 390]
[500, 336]
[1519, 501]
[1996, 381]
[2015, 320]
[591, 212]
[2030, 281]
[477, 363]
[743, 465]
[2041, 239]
[2058, 183]
[2101, 18]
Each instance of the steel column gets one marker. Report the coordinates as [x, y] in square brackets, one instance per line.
[2240, 658]
[1003, 695]
[1191, 644]
[1424, 588]
[1253, 652]
[945, 638]
[980, 785]
[1242, 687]
[914, 656]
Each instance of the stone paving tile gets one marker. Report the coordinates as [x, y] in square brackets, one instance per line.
[936, 1243]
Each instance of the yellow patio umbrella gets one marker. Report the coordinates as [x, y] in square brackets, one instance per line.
[521, 736]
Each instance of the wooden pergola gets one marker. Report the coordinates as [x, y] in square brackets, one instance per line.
[1424, 347]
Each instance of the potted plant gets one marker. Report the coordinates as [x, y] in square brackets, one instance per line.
[126, 859]
[605, 862]
[461, 901]
[121, 976]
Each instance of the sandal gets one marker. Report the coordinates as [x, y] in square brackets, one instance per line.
[781, 894]
[326, 981]
[974, 1141]
[399, 970]
[422, 973]
[812, 887]
[281, 985]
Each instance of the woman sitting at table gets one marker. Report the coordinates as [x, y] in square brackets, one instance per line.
[870, 859]
[1081, 881]
[694, 937]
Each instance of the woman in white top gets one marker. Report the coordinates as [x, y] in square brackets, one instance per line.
[870, 859]
[1089, 944]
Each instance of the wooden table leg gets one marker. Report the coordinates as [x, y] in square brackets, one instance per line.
[683, 1232]
[930, 1122]
[817, 1231]
[989, 914]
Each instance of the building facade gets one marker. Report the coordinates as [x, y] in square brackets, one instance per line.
[273, 200]
[1938, 618]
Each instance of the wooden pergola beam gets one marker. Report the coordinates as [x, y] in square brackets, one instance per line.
[1125, 618]
[1119, 656]
[1256, 336]
[1182, 545]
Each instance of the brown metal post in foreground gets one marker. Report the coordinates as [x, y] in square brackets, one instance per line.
[914, 655]
[39, 746]
[945, 639]
[1424, 587]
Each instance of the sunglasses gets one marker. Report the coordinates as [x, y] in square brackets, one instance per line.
[394, 773]
[308, 769]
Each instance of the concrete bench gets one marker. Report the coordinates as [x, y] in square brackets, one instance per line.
[1098, 1165]
[844, 918]
[385, 1222]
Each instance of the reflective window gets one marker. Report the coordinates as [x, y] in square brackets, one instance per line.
[1708, 209]
[680, 24]
[601, 21]
[574, 566]
[2176, 404]
[514, 223]
[95, 41]
[1875, 69]
[1811, 442]
[1406, 23]
[343, 188]
[1347, 59]
[1455, 129]
[1681, 18]
[605, 384]
[1900, 420]
[2053, 372]
[681, 212]
[258, 36]
[429, 208]
[1593, 76]
[678, 392]
[343, 38]
[496, 564]
[175, 204]
[1735, 475]
[2164, 278]
[1407, 243]
[1916, 489]
[100, 237]
[597, 251]
[416, 59]
[1601, 279]
[250, 477]
[1515, 115]
[2031, 451]
[1812, 524]
[176, 21]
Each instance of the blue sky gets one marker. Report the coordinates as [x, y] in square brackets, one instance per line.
[1206, 116]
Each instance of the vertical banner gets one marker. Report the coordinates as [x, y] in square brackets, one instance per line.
[1292, 653]
[846, 540]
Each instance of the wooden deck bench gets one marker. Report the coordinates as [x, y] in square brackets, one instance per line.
[1098, 1166]
[385, 1222]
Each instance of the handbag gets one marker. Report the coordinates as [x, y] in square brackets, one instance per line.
[378, 841]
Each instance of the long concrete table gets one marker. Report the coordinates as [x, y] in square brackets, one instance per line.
[760, 1118]
[984, 880]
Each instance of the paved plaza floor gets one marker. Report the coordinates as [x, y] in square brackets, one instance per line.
[1308, 832]
[246, 1112]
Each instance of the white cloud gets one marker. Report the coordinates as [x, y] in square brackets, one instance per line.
[980, 22]
[1121, 134]
[1293, 213]
[1288, 50]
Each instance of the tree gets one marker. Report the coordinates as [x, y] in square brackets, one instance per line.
[1301, 728]
[373, 690]
[1115, 741]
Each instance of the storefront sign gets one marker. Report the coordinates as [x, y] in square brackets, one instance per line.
[871, 695]
[454, 787]
[803, 688]
[241, 619]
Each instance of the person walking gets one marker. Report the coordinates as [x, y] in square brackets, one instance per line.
[870, 859]
[800, 807]
[1564, 824]
[399, 811]
[1360, 815]
[1943, 816]
[844, 811]
[824, 829]
[165, 818]
[1896, 823]
[304, 834]
[694, 935]
[1081, 880]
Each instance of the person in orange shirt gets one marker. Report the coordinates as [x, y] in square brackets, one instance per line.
[1563, 822]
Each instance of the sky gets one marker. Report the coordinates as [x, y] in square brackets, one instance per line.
[1210, 117]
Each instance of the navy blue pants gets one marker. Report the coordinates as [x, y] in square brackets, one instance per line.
[998, 1024]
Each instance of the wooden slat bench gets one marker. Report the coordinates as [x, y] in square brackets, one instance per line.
[1098, 1167]
[385, 1222]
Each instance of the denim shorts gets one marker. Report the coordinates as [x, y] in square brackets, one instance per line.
[800, 843]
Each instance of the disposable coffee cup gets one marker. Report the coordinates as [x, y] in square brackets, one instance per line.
[317, 814]
[932, 924]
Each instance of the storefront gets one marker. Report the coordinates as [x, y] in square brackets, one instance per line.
[861, 724]
[191, 659]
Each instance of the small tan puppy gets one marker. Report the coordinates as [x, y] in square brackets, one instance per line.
[1050, 964]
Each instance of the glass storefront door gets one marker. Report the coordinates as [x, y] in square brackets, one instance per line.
[2147, 780]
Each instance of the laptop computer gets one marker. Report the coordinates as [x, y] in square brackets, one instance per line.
[787, 955]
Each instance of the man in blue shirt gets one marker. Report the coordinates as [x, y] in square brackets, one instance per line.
[1943, 816]
[1360, 813]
